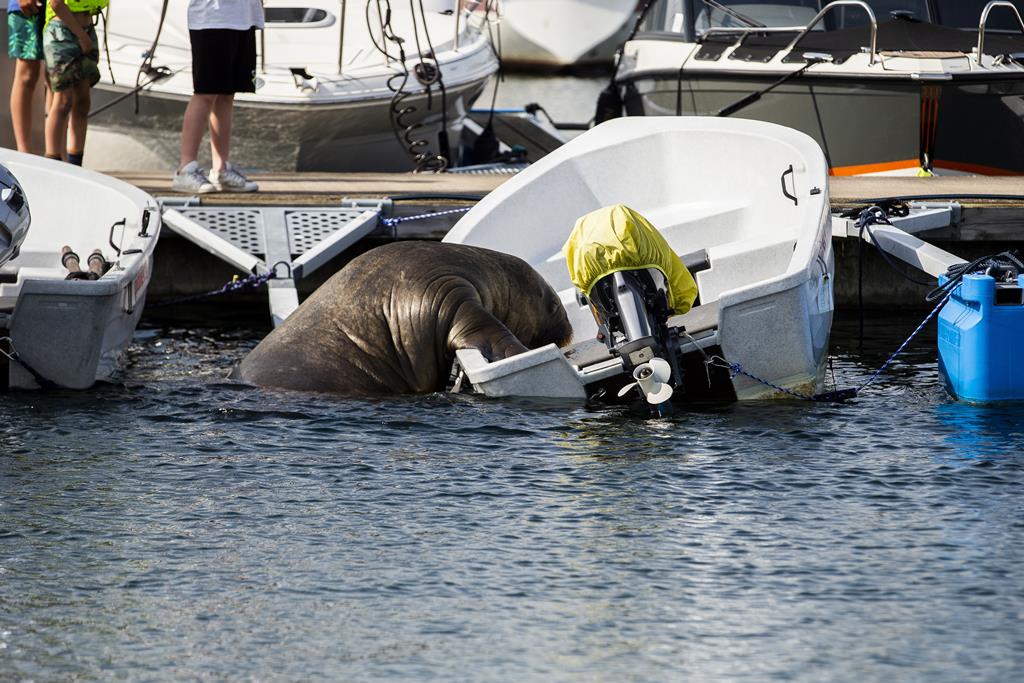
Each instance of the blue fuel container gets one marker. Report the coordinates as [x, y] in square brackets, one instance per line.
[981, 340]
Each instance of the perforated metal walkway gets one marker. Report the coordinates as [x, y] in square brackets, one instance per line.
[291, 240]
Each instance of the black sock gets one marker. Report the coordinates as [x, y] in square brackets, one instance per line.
[75, 159]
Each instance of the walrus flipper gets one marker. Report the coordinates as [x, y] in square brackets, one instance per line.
[474, 327]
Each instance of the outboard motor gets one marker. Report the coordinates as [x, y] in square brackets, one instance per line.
[634, 281]
[631, 309]
[14, 216]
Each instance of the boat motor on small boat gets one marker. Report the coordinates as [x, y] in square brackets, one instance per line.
[14, 216]
[633, 282]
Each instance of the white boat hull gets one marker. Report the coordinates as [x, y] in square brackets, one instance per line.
[74, 333]
[753, 196]
[355, 136]
[563, 33]
[325, 93]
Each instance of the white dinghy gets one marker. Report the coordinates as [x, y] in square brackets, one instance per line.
[327, 97]
[72, 333]
[745, 205]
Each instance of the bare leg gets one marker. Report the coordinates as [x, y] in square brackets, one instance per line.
[81, 102]
[194, 125]
[220, 131]
[26, 75]
[57, 123]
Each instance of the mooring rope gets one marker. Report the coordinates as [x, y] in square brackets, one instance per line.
[395, 220]
[253, 281]
[838, 395]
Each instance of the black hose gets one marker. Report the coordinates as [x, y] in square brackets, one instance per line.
[1006, 260]
[147, 62]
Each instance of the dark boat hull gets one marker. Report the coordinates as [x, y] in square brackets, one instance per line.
[864, 125]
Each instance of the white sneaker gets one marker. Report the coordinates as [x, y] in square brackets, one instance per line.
[192, 179]
[232, 180]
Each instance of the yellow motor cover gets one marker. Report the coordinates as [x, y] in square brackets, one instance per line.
[618, 238]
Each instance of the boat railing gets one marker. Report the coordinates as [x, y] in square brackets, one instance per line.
[341, 37]
[835, 5]
[984, 20]
[745, 31]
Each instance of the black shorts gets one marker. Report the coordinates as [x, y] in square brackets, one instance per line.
[223, 61]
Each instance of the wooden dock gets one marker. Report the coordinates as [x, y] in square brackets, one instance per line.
[990, 219]
[1000, 217]
[300, 189]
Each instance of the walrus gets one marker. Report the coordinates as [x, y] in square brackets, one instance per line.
[391, 320]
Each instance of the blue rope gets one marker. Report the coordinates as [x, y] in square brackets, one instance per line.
[395, 220]
[913, 334]
[841, 394]
[253, 281]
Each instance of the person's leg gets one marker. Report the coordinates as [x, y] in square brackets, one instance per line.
[220, 131]
[81, 97]
[57, 123]
[197, 115]
[26, 75]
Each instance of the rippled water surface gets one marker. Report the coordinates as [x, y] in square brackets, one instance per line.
[180, 527]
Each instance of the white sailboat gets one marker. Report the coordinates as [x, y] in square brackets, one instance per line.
[332, 89]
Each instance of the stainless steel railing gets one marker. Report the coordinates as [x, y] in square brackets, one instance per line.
[843, 3]
[984, 20]
[745, 31]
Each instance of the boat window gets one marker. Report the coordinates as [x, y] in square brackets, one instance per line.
[745, 13]
[667, 15]
[295, 15]
[967, 14]
[846, 17]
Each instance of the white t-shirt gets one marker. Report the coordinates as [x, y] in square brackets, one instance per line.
[234, 14]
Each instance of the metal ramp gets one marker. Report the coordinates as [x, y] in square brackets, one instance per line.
[292, 241]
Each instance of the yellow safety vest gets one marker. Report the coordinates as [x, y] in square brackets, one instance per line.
[91, 6]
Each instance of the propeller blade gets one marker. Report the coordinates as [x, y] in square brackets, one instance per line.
[662, 370]
[626, 389]
[659, 393]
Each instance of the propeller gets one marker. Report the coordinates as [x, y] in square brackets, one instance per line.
[652, 378]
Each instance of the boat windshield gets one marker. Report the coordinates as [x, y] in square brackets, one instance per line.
[689, 17]
[967, 14]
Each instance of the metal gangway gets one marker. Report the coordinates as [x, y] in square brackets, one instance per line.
[289, 242]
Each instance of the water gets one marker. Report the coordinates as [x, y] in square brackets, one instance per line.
[180, 527]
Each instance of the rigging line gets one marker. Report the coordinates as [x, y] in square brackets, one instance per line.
[146, 67]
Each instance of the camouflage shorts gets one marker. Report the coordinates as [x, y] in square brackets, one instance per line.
[66, 66]
[24, 36]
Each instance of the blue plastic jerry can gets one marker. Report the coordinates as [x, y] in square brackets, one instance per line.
[981, 340]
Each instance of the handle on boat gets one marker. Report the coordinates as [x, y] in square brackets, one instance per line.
[789, 172]
[110, 239]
